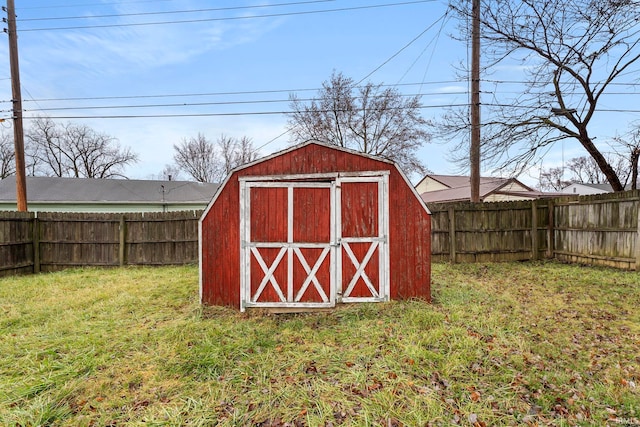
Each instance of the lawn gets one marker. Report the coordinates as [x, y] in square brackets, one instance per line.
[501, 344]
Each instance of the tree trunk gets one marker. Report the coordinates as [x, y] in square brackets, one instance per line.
[602, 163]
[635, 154]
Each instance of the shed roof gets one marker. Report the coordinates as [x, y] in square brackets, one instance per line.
[321, 144]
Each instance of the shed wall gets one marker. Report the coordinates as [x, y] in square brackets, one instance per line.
[409, 229]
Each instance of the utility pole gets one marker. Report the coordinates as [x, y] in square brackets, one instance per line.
[474, 150]
[18, 131]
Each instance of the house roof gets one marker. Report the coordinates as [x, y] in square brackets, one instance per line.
[83, 190]
[460, 189]
[603, 187]
[456, 181]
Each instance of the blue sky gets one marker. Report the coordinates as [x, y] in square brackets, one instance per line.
[239, 62]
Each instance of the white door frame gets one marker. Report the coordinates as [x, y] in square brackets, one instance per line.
[379, 243]
[338, 292]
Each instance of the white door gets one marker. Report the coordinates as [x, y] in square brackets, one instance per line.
[308, 244]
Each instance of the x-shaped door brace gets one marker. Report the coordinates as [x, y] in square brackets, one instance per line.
[269, 270]
[360, 266]
[311, 274]
[268, 273]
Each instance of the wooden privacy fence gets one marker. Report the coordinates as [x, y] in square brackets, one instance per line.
[54, 241]
[601, 229]
[481, 232]
[598, 230]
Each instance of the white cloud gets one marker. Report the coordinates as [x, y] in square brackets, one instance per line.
[453, 89]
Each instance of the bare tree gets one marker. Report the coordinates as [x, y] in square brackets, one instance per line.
[197, 157]
[552, 179]
[572, 52]
[207, 161]
[170, 173]
[235, 152]
[7, 155]
[630, 142]
[74, 150]
[583, 170]
[370, 119]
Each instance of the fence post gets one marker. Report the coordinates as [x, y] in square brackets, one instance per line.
[550, 229]
[121, 248]
[36, 245]
[534, 230]
[638, 242]
[452, 235]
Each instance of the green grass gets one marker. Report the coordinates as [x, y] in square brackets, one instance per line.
[502, 344]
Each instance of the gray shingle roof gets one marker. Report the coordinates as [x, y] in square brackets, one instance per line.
[53, 189]
[603, 187]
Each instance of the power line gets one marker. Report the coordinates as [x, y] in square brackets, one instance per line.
[267, 113]
[190, 21]
[401, 49]
[172, 12]
[433, 41]
[205, 94]
[260, 101]
[522, 82]
[224, 114]
[88, 4]
[272, 140]
[200, 104]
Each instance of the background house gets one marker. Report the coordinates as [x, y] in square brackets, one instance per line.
[586, 189]
[53, 194]
[454, 188]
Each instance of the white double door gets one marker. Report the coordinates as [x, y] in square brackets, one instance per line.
[312, 241]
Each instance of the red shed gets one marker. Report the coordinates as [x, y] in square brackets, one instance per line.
[312, 226]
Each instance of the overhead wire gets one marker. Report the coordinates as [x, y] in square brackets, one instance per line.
[219, 114]
[185, 104]
[286, 112]
[433, 51]
[200, 104]
[293, 90]
[190, 21]
[441, 19]
[400, 50]
[60, 6]
[206, 94]
[171, 12]
[255, 101]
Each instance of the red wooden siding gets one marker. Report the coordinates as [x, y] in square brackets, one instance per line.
[269, 215]
[359, 209]
[311, 215]
[409, 223]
